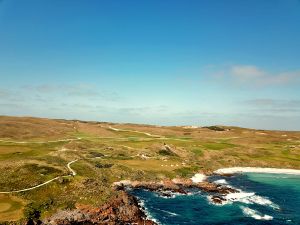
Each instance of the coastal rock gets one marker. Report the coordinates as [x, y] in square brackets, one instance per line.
[122, 209]
[228, 174]
[160, 187]
[179, 185]
[182, 181]
[218, 199]
[212, 187]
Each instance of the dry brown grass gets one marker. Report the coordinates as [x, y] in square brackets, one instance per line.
[132, 155]
[11, 208]
[24, 128]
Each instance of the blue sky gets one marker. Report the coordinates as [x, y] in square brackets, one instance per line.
[170, 62]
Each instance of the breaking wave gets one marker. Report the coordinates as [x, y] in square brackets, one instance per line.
[142, 206]
[250, 198]
[221, 181]
[255, 214]
[168, 212]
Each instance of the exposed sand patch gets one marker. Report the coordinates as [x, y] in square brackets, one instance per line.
[198, 177]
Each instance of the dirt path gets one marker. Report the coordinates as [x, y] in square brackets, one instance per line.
[73, 173]
[148, 134]
[135, 131]
[69, 167]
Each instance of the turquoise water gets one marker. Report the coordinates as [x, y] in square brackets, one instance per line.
[266, 199]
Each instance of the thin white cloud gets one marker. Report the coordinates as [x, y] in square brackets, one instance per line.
[274, 106]
[81, 90]
[250, 75]
[273, 102]
[247, 72]
[4, 93]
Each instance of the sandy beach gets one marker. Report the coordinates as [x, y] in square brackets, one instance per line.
[256, 170]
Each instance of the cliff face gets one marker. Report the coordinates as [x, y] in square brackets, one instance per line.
[123, 209]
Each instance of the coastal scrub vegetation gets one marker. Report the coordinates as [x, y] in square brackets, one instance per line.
[34, 151]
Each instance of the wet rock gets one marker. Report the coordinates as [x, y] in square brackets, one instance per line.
[176, 186]
[218, 199]
[228, 174]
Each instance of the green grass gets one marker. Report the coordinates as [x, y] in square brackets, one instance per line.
[165, 152]
[84, 135]
[14, 151]
[26, 176]
[187, 171]
[215, 128]
[26, 165]
[41, 170]
[197, 151]
[11, 208]
[218, 145]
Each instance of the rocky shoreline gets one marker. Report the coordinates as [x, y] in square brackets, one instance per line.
[122, 209]
[179, 186]
[125, 208]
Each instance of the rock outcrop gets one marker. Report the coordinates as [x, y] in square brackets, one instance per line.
[180, 186]
[122, 209]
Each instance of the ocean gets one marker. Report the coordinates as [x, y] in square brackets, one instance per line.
[264, 199]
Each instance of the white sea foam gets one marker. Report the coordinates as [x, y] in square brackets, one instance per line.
[141, 203]
[263, 201]
[165, 196]
[168, 194]
[168, 212]
[221, 181]
[255, 214]
[245, 197]
[250, 198]
[239, 196]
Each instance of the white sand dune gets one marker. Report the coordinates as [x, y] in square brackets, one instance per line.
[256, 170]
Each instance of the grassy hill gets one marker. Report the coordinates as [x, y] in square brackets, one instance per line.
[34, 150]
